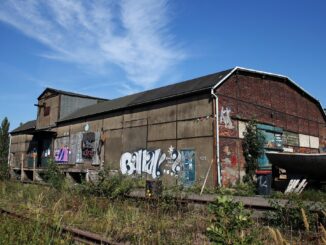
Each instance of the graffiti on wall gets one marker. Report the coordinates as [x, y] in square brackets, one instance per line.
[61, 155]
[61, 150]
[156, 163]
[173, 159]
[225, 118]
[142, 161]
[78, 148]
[88, 145]
[229, 161]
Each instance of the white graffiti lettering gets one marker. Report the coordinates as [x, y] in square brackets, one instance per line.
[225, 118]
[142, 161]
[174, 159]
[150, 161]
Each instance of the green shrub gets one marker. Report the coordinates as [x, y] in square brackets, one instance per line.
[253, 147]
[289, 215]
[54, 176]
[4, 171]
[110, 186]
[232, 224]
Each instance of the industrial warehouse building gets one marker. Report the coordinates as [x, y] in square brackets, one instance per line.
[172, 132]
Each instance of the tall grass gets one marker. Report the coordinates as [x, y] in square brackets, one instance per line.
[122, 220]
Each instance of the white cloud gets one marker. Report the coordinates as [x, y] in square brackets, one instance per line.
[101, 35]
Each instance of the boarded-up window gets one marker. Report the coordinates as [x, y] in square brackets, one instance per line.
[46, 111]
[314, 142]
[304, 140]
[290, 138]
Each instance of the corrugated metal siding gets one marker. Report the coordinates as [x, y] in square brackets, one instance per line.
[70, 104]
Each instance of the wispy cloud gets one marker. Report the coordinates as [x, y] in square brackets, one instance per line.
[101, 35]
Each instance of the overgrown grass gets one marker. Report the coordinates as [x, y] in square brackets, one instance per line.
[307, 195]
[117, 219]
[14, 231]
[105, 211]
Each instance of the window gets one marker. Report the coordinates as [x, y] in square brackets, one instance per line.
[46, 111]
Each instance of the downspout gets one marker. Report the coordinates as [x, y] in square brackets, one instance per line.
[217, 143]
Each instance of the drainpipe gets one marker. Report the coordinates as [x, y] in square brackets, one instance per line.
[219, 176]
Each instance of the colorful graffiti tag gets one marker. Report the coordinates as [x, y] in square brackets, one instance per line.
[78, 148]
[151, 162]
[88, 145]
[62, 154]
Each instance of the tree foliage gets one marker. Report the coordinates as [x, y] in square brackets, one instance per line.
[253, 148]
[4, 148]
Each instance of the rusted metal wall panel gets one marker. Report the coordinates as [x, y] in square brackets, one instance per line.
[163, 112]
[194, 107]
[162, 131]
[114, 122]
[63, 131]
[194, 128]
[113, 149]
[136, 114]
[164, 145]
[203, 156]
[134, 138]
[77, 127]
[49, 120]
[135, 123]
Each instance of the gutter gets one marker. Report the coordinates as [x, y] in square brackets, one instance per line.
[217, 129]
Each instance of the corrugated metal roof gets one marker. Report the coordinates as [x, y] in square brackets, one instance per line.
[28, 126]
[170, 91]
[69, 93]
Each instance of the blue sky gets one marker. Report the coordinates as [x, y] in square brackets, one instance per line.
[113, 48]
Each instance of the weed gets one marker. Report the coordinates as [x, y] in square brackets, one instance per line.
[54, 176]
[232, 224]
[293, 214]
[107, 185]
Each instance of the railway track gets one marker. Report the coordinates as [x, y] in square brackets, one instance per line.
[255, 203]
[79, 236]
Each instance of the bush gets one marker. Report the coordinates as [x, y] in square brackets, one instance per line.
[4, 172]
[54, 176]
[253, 147]
[290, 215]
[108, 186]
[232, 224]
